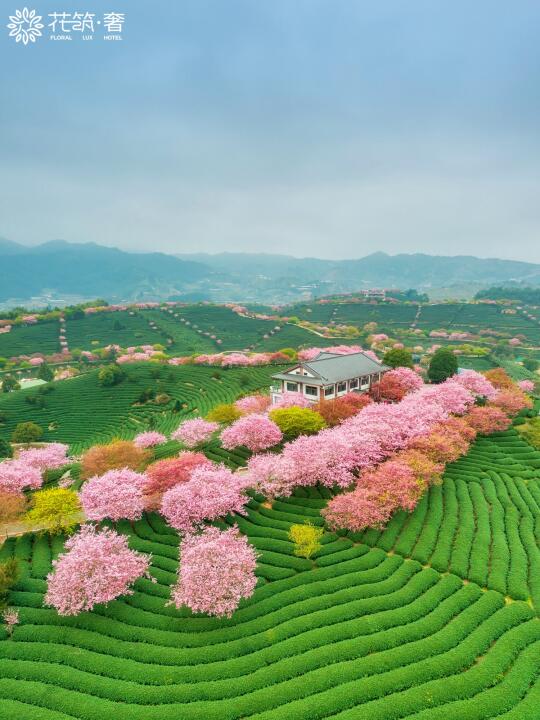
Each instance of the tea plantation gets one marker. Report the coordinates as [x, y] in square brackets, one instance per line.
[435, 618]
[26, 339]
[81, 412]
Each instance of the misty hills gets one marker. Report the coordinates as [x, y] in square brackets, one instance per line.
[58, 268]
[91, 270]
[376, 270]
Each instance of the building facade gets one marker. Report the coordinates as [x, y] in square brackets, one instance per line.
[329, 376]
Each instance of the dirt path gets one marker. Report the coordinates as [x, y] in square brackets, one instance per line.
[15, 529]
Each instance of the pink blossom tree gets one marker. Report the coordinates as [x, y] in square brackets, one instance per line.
[292, 399]
[256, 432]
[48, 457]
[116, 494]
[487, 420]
[217, 570]
[209, 494]
[97, 567]
[512, 401]
[476, 383]
[526, 385]
[253, 404]
[16, 476]
[149, 439]
[195, 432]
[165, 474]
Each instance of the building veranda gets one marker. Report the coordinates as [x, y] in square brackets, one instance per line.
[329, 376]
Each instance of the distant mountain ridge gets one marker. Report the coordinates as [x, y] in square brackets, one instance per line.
[92, 270]
[89, 270]
[378, 269]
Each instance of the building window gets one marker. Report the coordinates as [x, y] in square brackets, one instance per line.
[311, 390]
[291, 387]
[328, 391]
[342, 387]
[364, 381]
[353, 384]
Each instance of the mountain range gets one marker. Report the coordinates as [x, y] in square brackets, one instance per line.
[58, 269]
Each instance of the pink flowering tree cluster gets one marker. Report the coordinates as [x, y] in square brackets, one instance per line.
[487, 420]
[333, 456]
[195, 432]
[48, 457]
[512, 401]
[116, 494]
[292, 399]
[97, 567]
[149, 439]
[476, 383]
[209, 494]
[165, 474]
[526, 385]
[253, 404]
[217, 570]
[255, 432]
[17, 476]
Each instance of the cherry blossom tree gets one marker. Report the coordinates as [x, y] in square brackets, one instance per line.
[149, 439]
[526, 385]
[115, 495]
[209, 494]
[98, 566]
[165, 474]
[256, 432]
[487, 420]
[16, 476]
[51, 456]
[217, 570]
[253, 404]
[512, 401]
[292, 399]
[476, 383]
[195, 432]
[395, 384]
[357, 510]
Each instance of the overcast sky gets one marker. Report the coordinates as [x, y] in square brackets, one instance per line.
[329, 128]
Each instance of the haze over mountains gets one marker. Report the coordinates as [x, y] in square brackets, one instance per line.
[59, 270]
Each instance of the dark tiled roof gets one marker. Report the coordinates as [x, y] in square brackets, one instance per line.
[328, 368]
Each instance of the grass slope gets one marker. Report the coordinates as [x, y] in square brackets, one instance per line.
[81, 413]
[429, 620]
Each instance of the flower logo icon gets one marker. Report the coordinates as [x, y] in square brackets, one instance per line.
[25, 26]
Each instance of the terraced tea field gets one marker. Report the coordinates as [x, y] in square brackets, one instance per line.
[134, 328]
[27, 339]
[81, 413]
[436, 618]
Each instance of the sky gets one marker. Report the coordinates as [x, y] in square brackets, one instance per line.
[325, 128]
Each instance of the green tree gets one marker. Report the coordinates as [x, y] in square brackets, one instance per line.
[27, 432]
[530, 364]
[398, 357]
[443, 365]
[10, 383]
[111, 375]
[295, 421]
[289, 352]
[9, 574]
[6, 450]
[45, 373]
